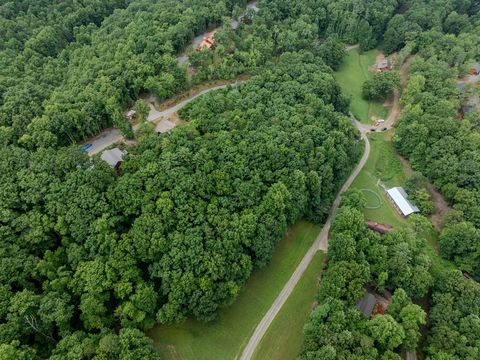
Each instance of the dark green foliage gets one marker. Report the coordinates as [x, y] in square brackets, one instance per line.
[358, 256]
[381, 86]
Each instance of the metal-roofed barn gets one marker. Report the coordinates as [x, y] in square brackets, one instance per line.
[399, 198]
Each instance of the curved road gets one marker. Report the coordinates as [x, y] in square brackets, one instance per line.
[111, 136]
[321, 243]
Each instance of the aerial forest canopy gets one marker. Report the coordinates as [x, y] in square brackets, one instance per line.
[181, 229]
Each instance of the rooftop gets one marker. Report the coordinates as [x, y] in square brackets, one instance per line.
[367, 304]
[164, 126]
[112, 157]
[399, 197]
[384, 63]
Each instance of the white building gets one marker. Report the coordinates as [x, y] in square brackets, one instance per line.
[398, 196]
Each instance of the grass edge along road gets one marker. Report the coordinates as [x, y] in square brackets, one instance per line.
[225, 337]
[284, 337]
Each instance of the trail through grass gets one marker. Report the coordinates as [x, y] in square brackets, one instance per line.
[226, 337]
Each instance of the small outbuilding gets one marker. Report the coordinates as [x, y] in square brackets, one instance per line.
[380, 228]
[399, 199]
[384, 65]
[130, 114]
[113, 157]
[367, 304]
[475, 69]
[164, 126]
[207, 43]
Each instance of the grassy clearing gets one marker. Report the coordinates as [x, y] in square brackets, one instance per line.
[351, 76]
[283, 340]
[383, 165]
[226, 337]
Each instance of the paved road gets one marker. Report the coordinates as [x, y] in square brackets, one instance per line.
[321, 243]
[111, 136]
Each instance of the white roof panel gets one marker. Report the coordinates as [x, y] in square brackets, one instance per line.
[399, 196]
[164, 126]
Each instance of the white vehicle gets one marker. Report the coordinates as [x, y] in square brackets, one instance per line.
[381, 121]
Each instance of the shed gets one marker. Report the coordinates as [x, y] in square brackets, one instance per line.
[164, 126]
[113, 157]
[384, 65]
[207, 42]
[367, 304]
[399, 198]
[380, 228]
[475, 69]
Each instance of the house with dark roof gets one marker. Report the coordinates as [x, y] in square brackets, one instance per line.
[113, 157]
[367, 304]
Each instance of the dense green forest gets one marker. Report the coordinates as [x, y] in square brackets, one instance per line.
[91, 259]
[357, 256]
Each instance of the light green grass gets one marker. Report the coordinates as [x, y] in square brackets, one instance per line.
[383, 165]
[351, 76]
[283, 340]
[226, 337]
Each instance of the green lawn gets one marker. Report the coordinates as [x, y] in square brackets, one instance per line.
[351, 76]
[383, 165]
[226, 337]
[283, 340]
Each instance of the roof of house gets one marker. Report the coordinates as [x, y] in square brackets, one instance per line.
[367, 304]
[476, 67]
[112, 157]
[131, 113]
[399, 196]
[164, 126]
[384, 63]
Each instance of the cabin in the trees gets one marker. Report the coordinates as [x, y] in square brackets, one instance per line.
[113, 157]
[399, 199]
[384, 65]
[367, 304]
[379, 228]
[471, 104]
[475, 69]
[207, 43]
[164, 126]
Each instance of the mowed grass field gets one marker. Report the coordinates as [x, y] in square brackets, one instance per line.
[226, 337]
[384, 166]
[283, 340]
[351, 76]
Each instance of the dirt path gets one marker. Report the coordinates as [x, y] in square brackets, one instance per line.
[441, 205]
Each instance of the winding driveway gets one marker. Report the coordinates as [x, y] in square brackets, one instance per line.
[111, 136]
[321, 243]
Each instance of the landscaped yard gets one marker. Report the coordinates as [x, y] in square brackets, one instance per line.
[226, 337]
[283, 339]
[351, 76]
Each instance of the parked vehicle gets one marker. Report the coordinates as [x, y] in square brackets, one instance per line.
[86, 147]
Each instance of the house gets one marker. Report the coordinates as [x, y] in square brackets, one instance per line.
[113, 157]
[367, 304]
[472, 104]
[207, 43]
[380, 228]
[164, 126]
[398, 197]
[475, 69]
[384, 65]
